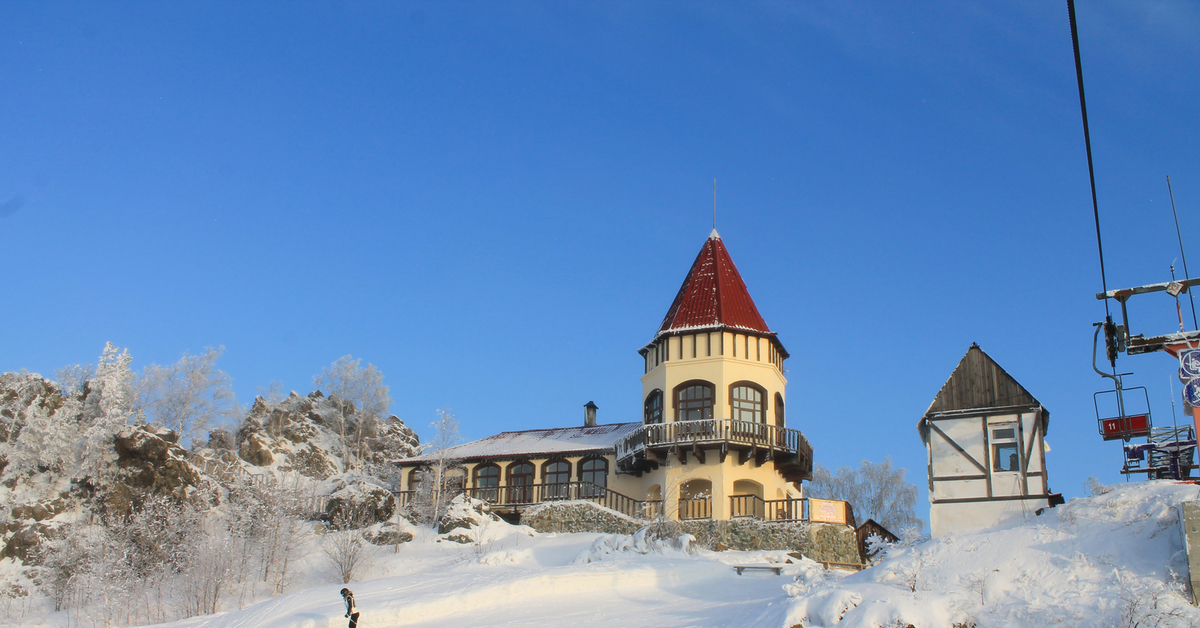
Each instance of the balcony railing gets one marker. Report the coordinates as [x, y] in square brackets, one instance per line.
[695, 508]
[714, 431]
[530, 494]
[787, 509]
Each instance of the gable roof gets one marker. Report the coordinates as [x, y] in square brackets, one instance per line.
[713, 295]
[543, 442]
[978, 383]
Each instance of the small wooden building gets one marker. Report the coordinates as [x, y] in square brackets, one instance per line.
[985, 439]
[868, 529]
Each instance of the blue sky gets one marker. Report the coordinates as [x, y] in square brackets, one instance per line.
[495, 203]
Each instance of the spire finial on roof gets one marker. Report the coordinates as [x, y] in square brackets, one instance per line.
[714, 206]
[714, 235]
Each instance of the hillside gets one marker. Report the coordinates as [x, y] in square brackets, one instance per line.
[1108, 560]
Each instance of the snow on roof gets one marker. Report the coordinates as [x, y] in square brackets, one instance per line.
[566, 440]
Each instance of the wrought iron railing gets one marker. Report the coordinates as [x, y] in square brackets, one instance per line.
[712, 431]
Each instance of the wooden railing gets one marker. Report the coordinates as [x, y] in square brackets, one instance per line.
[713, 431]
[695, 508]
[530, 494]
[787, 509]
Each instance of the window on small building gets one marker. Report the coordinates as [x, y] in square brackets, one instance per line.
[694, 401]
[746, 402]
[653, 407]
[594, 472]
[779, 418]
[1006, 455]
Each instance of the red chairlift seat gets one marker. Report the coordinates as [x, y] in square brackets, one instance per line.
[1125, 425]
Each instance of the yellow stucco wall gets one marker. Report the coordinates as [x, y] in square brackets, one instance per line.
[752, 362]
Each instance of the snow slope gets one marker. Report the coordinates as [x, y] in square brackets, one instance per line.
[1115, 559]
[1111, 560]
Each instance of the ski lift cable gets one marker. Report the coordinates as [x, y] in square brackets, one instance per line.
[1179, 235]
[1087, 142]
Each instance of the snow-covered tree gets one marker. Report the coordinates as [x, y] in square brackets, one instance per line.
[875, 490]
[190, 395]
[436, 481]
[361, 397]
[69, 435]
[72, 378]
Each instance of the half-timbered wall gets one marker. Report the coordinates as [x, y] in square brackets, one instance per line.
[985, 469]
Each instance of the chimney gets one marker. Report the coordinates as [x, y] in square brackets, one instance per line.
[589, 414]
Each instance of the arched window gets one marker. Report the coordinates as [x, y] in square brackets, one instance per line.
[414, 478]
[594, 473]
[520, 483]
[779, 410]
[746, 402]
[653, 407]
[694, 401]
[487, 479]
[556, 474]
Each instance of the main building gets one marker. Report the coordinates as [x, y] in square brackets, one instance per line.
[712, 442]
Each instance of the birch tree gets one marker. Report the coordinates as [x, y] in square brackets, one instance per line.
[436, 489]
[361, 397]
[190, 395]
[875, 490]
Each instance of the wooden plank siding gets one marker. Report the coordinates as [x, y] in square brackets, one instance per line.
[978, 382]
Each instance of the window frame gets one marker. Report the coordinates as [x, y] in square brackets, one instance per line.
[676, 402]
[584, 472]
[996, 444]
[655, 395]
[735, 413]
[475, 474]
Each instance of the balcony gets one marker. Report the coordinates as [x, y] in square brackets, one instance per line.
[648, 447]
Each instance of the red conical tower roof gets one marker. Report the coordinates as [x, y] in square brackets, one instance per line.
[713, 296]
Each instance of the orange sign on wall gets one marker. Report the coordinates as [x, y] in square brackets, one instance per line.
[826, 511]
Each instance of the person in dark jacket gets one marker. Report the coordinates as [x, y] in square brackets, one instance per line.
[351, 611]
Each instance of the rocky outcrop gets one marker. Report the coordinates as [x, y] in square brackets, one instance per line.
[356, 503]
[149, 462]
[26, 542]
[304, 434]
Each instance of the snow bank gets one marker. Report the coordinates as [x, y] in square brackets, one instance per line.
[1112, 559]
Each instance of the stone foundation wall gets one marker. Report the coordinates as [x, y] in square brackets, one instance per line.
[824, 542]
[579, 516]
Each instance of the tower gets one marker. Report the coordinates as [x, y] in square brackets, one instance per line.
[714, 357]
[714, 429]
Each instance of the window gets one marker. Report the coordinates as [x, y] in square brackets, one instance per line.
[487, 479]
[487, 476]
[520, 483]
[1006, 455]
[694, 401]
[557, 474]
[779, 418]
[746, 401]
[653, 407]
[593, 471]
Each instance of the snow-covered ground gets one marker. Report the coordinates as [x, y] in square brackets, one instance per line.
[1111, 560]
